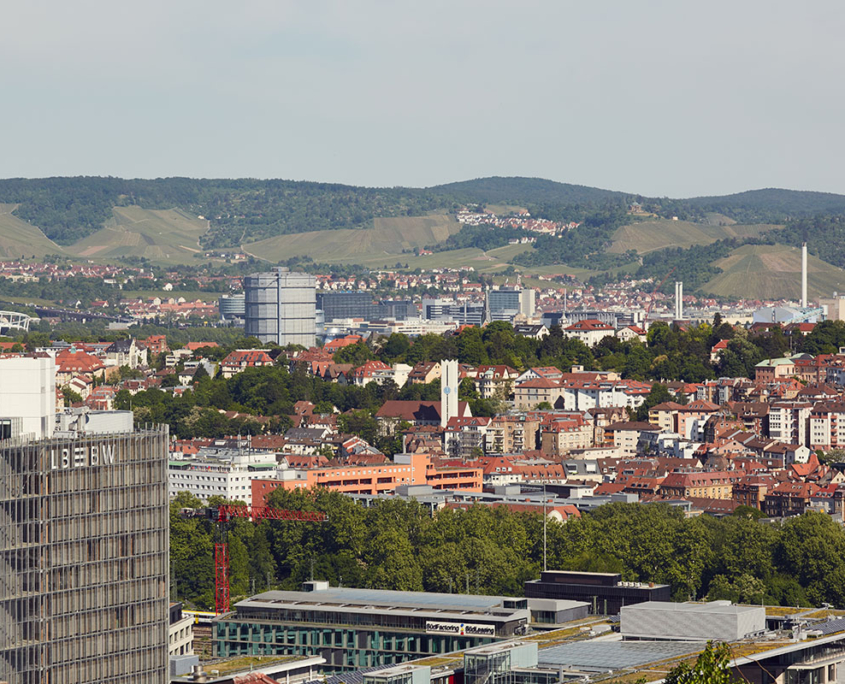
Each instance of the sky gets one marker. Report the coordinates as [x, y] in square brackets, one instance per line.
[658, 97]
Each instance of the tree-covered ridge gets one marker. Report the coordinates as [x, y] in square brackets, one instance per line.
[532, 191]
[399, 545]
[67, 209]
[825, 236]
[769, 205]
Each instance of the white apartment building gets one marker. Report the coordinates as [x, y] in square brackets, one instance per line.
[230, 477]
[180, 636]
[789, 422]
[827, 426]
[581, 395]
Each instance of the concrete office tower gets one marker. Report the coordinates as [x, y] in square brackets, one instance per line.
[84, 558]
[27, 397]
[527, 302]
[804, 275]
[449, 383]
[281, 307]
[507, 303]
[679, 300]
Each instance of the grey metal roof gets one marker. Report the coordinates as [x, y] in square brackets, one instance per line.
[721, 607]
[614, 655]
[340, 596]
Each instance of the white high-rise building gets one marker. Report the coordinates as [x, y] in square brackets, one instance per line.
[449, 384]
[27, 396]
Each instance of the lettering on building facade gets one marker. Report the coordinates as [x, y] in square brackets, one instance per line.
[82, 456]
[460, 629]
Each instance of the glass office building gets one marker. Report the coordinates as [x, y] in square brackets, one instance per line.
[357, 628]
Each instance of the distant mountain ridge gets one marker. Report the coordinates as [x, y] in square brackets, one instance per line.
[69, 210]
[518, 189]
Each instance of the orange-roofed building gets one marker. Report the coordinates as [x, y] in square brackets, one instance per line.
[193, 346]
[242, 359]
[70, 364]
[341, 342]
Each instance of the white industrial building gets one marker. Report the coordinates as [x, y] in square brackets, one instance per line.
[719, 620]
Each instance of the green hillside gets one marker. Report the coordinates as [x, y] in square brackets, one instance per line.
[165, 236]
[169, 219]
[381, 244]
[648, 236]
[773, 272]
[20, 239]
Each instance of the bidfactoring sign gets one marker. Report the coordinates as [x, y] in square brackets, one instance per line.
[88, 455]
[460, 629]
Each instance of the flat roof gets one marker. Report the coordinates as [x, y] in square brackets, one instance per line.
[347, 599]
[724, 608]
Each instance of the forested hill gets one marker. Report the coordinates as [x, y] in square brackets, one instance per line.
[69, 209]
[760, 206]
[246, 210]
[522, 191]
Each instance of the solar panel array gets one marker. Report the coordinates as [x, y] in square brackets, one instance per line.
[614, 655]
[830, 627]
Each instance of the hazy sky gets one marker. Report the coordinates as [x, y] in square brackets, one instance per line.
[659, 97]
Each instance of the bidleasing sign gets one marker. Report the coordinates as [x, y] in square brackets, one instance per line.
[460, 629]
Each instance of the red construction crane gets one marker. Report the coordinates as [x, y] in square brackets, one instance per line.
[227, 513]
[655, 290]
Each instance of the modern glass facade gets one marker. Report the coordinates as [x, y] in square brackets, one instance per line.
[84, 559]
[344, 648]
[341, 305]
[232, 306]
[356, 628]
[336, 305]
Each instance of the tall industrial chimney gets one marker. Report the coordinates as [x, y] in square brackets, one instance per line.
[804, 275]
[679, 300]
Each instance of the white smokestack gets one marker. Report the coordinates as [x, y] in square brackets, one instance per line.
[804, 275]
[679, 300]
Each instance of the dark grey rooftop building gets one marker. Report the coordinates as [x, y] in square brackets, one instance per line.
[604, 591]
